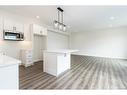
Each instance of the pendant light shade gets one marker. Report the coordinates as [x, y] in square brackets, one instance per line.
[64, 28]
[59, 24]
[55, 24]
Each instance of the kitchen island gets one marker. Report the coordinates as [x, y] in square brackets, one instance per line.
[9, 72]
[57, 61]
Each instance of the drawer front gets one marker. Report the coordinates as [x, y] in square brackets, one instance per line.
[28, 52]
[29, 56]
[29, 61]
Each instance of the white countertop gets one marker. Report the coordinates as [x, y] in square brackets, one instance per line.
[8, 61]
[61, 51]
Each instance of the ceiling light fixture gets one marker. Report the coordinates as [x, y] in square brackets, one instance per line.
[37, 17]
[59, 24]
[112, 18]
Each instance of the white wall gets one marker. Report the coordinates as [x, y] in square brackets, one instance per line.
[57, 41]
[102, 43]
[38, 47]
[12, 48]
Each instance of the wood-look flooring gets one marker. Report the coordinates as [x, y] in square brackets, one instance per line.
[86, 73]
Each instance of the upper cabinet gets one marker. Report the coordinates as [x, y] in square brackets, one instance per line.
[13, 25]
[39, 30]
[10, 24]
[44, 31]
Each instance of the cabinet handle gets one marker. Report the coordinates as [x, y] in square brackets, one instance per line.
[14, 28]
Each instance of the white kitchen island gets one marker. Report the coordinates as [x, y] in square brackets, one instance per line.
[9, 72]
[57, 61]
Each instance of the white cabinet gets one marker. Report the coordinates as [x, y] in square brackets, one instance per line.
[27, 57]
[36, 29]
[9, 77]
[10, 24]
[44, 31]
[56, 63]
[27, 33]
[64, 62]
[39, 30]
[9, 72]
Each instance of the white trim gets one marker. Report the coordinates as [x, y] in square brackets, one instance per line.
[99, 56]
[38, 60]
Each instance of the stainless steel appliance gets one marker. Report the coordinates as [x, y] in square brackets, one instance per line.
[13, 36]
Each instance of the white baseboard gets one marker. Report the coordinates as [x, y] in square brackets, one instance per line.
[38, 60]
[99, 56]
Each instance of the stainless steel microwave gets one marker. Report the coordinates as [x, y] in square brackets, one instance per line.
[8, 35]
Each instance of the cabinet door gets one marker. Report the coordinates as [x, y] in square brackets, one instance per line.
[36, 29]
[19, 26]
[63, 63]
[50, 63]
[39, 30]
[10, 24]
[9, 78]
[44, 31]
[27, 32]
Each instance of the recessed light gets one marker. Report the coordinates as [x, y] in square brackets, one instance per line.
[112, 18]
[37, 17]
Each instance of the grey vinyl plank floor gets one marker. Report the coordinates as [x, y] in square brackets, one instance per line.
[86, 72]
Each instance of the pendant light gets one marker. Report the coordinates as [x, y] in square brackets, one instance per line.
[58, 24]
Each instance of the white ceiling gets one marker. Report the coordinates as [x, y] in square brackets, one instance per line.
[78, 18]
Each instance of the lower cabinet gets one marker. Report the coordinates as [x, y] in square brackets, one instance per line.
[63, 61]
[56, 63]
[9, 77]
[27, 57]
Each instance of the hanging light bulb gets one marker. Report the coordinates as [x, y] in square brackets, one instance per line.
[64, 27]
[55, 24]
[60, 26]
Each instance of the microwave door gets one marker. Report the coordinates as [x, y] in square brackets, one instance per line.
[10, 36]
[13, 36]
